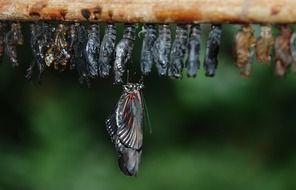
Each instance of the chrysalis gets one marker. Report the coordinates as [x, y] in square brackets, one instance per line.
[178, 51]
[57, 53]
[283, 58]
[3, 30]
[39, 40]
[93, 49]
[147, 47]
[244, 49]
[79, 45]
[124, 126]
[264, 44]
[212, 50]
[107, 50]
[13, 38]
[161, 49]
[193, 63]
[72, 39]
[123, 51]
[293, 51]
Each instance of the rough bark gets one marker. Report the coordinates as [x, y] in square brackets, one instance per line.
[152, 11]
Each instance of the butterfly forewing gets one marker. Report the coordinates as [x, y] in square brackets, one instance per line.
[129, 119]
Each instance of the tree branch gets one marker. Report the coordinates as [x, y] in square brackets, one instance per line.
[153, 11]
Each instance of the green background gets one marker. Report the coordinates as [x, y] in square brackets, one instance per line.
[207, 133]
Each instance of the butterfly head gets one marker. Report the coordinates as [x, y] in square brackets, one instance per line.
[133, 87]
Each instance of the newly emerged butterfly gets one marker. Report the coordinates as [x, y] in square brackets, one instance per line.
[193, 62]
[3, 30]
[93, 49]
[212, 50]
[244, 49]
[178, 51]
[13, 38]
[107, 50]
[264, 44]
[123, 51]
[283, 58]
[124, 126]
[161, 49]
[146, 53]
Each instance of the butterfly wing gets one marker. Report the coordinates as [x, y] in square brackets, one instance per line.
[129, 119]
[111, 124]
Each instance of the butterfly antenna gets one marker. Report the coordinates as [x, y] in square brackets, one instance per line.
[127, 76]
[146, 113]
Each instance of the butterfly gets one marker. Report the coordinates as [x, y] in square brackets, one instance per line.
[124, 126]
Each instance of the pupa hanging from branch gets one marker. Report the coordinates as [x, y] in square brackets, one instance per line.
[161, 49]
[212, 50]
[12, 39]
[79, 49]
[264, 44]
[282, 56]
[57, 53]
[123, 51]
[107, 50]
[146, 61]
[93, 49]
[178, 51]
[40, 35]
[244, 49]
[293, 51]
[3, 30]
[193, 62]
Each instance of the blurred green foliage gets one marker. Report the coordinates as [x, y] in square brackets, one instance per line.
[208, 133]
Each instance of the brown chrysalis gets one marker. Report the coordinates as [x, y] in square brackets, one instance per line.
[244, 49]
[283, 58]
[264, 44]
[293, 51]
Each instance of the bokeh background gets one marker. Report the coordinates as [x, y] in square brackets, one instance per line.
[207, 133]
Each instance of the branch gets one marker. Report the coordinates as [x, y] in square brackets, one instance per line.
[155, 11]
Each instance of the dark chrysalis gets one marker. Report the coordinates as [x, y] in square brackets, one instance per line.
[107, 50]
[79, 46]
[13, 38]
[93, 49]
[161, 49]
[193, 63]
[124, 126]
[147, 47]
[293, 51]
[57, 53]
[212, 50]
[282, 57]
[72, 39]
[39, 40]
[79, 41]
[178, 51]
[123, 51]
[3, 30]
